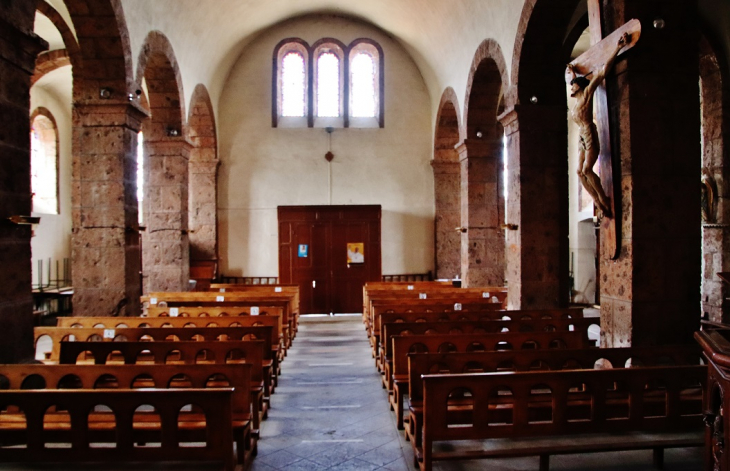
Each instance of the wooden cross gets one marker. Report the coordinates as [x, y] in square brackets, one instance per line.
[588, 62]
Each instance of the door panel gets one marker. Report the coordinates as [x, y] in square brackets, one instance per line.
[326, 231]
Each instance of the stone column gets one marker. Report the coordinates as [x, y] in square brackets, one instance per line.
[650, 294]
[446, 176]
[105, 239]
[204, 209]
[482, 212]
[18, 50]
[537, 182]
[166, 251]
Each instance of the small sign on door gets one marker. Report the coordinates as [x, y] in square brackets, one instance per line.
[303, 251]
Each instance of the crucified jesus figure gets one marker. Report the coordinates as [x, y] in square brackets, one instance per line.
[582, 89]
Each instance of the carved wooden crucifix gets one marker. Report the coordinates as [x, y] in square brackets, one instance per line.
[592, 62]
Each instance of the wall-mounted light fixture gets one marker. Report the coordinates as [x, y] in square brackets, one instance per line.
[533, 100]
[659, 23]
[479, 134]
[173, 132]
[509, 227]
[329, 156]
[461, 229]
[105, 93]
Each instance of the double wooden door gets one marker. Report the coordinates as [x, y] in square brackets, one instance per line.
[330, 252]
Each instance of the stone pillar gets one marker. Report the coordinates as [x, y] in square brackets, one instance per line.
[166, 251]
[18, 50]
[537, 182]
[446, 176]
[105, 239]
[650, 294]
[482, 212]
[204, 209]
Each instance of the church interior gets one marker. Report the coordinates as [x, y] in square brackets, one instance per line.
[170, 137]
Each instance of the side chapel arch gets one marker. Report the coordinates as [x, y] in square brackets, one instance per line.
[446, 175]
[480, 156]
[165, 243]
[204, 163]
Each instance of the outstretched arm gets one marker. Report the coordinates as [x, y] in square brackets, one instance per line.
[601, 74]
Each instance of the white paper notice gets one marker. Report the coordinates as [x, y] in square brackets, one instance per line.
[485, 295]
[153, 301]
[422, 296]
[220, 299]
[108, 333]
[457, 306]
[254, 310]
[222, 290]
[410, 287]
[277, 289]
[174, 312]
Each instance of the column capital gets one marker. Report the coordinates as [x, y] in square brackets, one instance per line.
[112, 113]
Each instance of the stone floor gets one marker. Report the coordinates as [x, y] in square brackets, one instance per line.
[331, 413]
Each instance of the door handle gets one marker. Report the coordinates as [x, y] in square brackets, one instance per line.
[314, 283]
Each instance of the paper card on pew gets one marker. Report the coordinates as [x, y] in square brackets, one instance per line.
[108, 333]
[174, 312]
[485, 294]
[422, 296]
[254, 310]
[457, 306]
[153, 301]
[72, 338]
[220, 299]
[410, 287]
[277, 289]
[222, 290]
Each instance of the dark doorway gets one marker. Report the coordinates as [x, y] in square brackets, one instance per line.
[330, 252]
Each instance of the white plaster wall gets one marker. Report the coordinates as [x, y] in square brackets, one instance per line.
[52, 239]
[264, 167]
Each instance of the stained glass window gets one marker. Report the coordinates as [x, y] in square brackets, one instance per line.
[363, 101]
[293, 79]
[328, 85]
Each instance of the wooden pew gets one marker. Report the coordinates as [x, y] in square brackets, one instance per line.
[135, 322]
[177, 353]
[561, 412]
[292, 290]
[57, 334]
[420, 364]
[404, 344]
[372, 286]
[239, 299]
[192, 425]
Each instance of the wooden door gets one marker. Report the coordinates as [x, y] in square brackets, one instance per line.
[313, 253]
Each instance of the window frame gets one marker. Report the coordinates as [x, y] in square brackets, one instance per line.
[45, 113]
[310, 54]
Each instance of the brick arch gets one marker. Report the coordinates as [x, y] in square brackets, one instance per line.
[167, 151]
[105, 51]
[484, 88]
[447, 186]
[48, 61]
[203, 178]
[535, 124]
[158, 66]
[73, 51]
[714, 107]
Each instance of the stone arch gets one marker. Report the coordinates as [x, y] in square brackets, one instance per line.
[165, 254]
[105, 241]
[481, 162]
[204, 165]
[73, 51]
[714, 107]
[447, 186]
[536, 129]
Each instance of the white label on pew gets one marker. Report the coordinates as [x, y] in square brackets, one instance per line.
[72, 338]
[410, 287]
[254, 310]
[174, 312]
[153, 301]
[108, 333]
[485, 295]
[277, 289]
[220, 299]
[222, 290]
[422, 296]
[457, 306]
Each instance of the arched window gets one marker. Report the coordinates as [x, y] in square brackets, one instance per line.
[366, 84]
[291, 67]
[44, 162]
[329, 89]
[328, 84]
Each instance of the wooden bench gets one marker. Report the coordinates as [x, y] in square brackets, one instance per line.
[193, 424]
[385, 353]
[397, 383]
[288, 289]
[561, 412]
[177, 353]
[420, 364]
[135, 322]
[58, 334]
